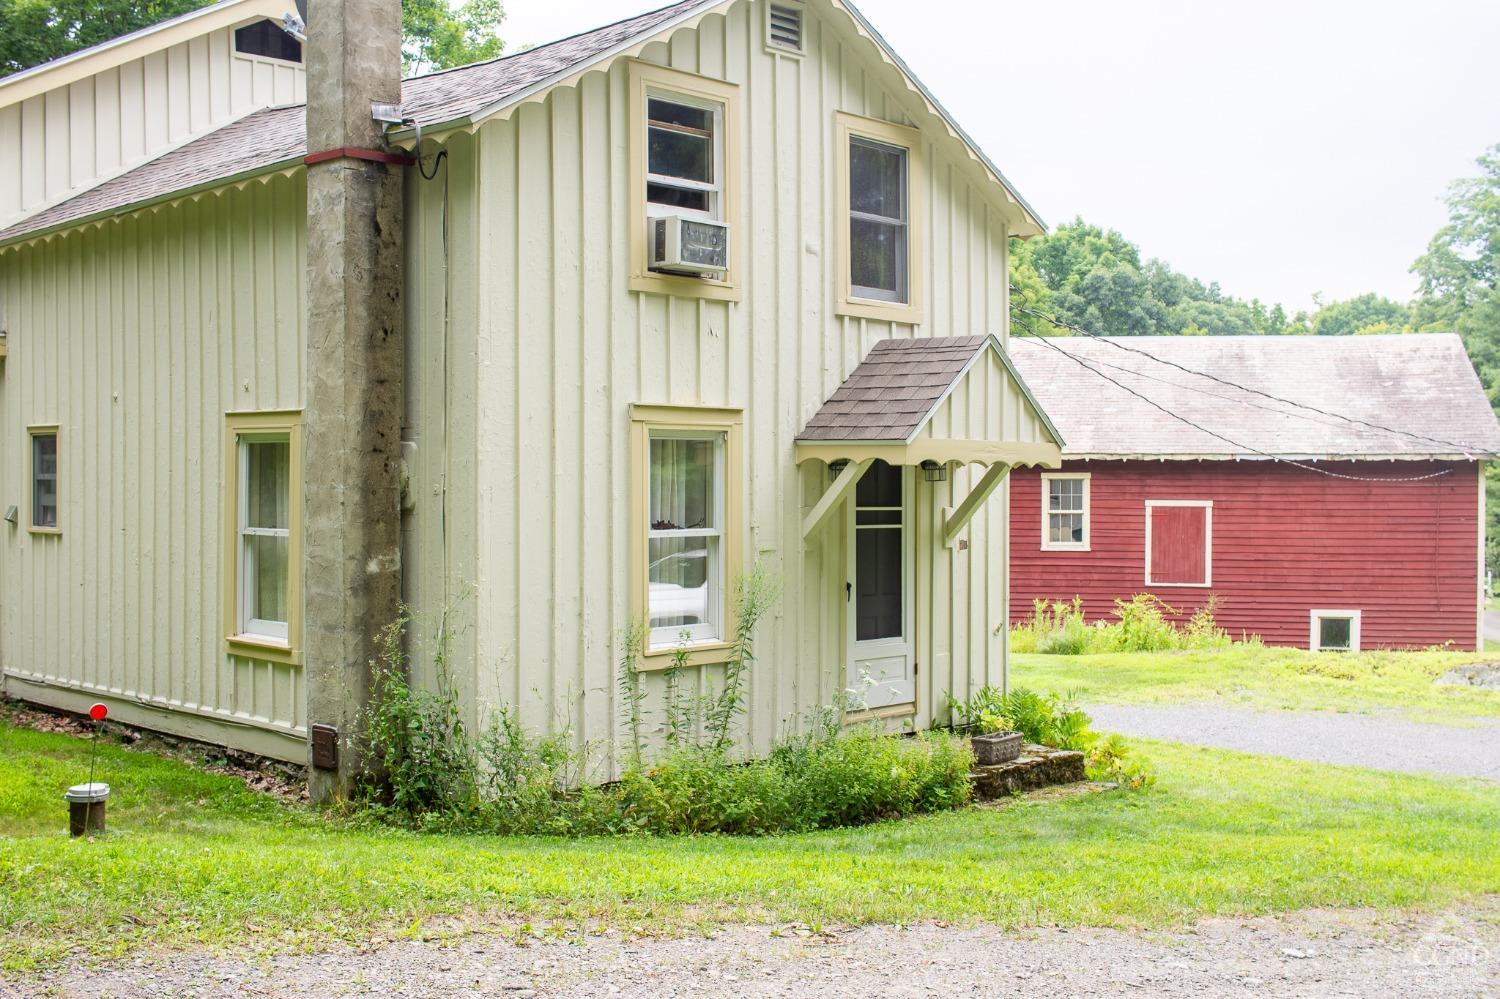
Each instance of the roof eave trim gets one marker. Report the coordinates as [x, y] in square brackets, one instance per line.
[628, 47]
[104, 215]
[937, 108]
[941, 450]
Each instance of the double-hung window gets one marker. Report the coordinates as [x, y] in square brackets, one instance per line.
[686, 507]
[44, 479]
[684, 156]
[1065, 512]
[682, 162]
[264, 508]
[684, 547]
[879, 176]
[878, 221]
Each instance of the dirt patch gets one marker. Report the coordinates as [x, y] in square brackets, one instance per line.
[276, 777]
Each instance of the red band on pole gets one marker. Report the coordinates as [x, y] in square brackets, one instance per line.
[355, 153]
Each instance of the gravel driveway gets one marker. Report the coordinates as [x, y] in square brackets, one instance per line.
[1325, 736]
[1313, 953]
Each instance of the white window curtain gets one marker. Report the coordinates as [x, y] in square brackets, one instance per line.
[685, 537]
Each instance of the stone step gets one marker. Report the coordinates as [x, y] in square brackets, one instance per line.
[1037, 766]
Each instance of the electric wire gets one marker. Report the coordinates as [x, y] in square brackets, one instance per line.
[1229, 440]
[1468, 450]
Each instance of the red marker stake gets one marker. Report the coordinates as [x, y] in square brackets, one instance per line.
[98, 712]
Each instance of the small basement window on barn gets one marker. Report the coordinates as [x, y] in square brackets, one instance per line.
[1179, 542]
[1334, 631]
[1065, 512]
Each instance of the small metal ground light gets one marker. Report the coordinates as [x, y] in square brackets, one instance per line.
[86, 805]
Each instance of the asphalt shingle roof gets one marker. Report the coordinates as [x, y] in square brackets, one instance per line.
[893, 390]
[267, 137]
[1419, 383]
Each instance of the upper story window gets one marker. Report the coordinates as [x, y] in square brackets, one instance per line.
[1065, 512]
[881, 241]
[684, 153]
[44, 479]
[683, 142]
[878, 259]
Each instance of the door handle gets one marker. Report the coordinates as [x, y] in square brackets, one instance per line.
[848, 592]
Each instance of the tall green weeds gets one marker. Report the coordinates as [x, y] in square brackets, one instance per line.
[1142, 625]
[433, 773]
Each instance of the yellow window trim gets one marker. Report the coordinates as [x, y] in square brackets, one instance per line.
[288, 422]
[35, 430]
[644, 76]
[643, 420]
[845, 303]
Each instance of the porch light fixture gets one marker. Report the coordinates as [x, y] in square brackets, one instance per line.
[933, 472]
[836, 468]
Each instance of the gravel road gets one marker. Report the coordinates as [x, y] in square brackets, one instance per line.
[1325, 736]
[1312, 953]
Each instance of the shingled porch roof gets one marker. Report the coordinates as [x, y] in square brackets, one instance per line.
[885, 408]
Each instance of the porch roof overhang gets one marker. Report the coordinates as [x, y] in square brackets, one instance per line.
[943, 399]
[936, 399]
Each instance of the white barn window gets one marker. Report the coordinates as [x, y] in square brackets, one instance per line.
[1065, 512]
[1334, 631]
[878, 247]
[684, 156]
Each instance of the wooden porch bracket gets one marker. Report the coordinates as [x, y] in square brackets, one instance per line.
[964, 512]
[833, 496]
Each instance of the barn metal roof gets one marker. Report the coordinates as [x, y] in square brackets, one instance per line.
[1422, 386]
[271, 139]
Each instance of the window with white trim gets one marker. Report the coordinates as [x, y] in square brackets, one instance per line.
[44, 479]
[879, 257]
[685, 537]
[1334, 631]
[265, 535]
[684, 155]
[1065, 512]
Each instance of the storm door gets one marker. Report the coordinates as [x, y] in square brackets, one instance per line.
[881, 669]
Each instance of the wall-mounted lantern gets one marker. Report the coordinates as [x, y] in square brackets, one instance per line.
[933, 472]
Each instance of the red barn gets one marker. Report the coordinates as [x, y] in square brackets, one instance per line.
[1328, 492]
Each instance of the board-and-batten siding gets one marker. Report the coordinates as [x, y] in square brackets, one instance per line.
[519, 401]
[59, 142]
[1285, 541]
[136, 337]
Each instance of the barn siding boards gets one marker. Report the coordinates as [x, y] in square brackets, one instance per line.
[1285, 540]
[136, 337]
[60, 142]
[558, 348]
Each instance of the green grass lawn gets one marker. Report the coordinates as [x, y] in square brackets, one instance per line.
[1262, 677]
[193, 858]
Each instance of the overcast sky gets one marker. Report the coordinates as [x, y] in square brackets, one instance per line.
[1280, 147]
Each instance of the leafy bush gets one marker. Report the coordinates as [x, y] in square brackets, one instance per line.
[429, 771]
[1059, 628]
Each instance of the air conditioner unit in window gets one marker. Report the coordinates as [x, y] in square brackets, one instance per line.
[689, 245]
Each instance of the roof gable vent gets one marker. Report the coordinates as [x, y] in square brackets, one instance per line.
[784, 28]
